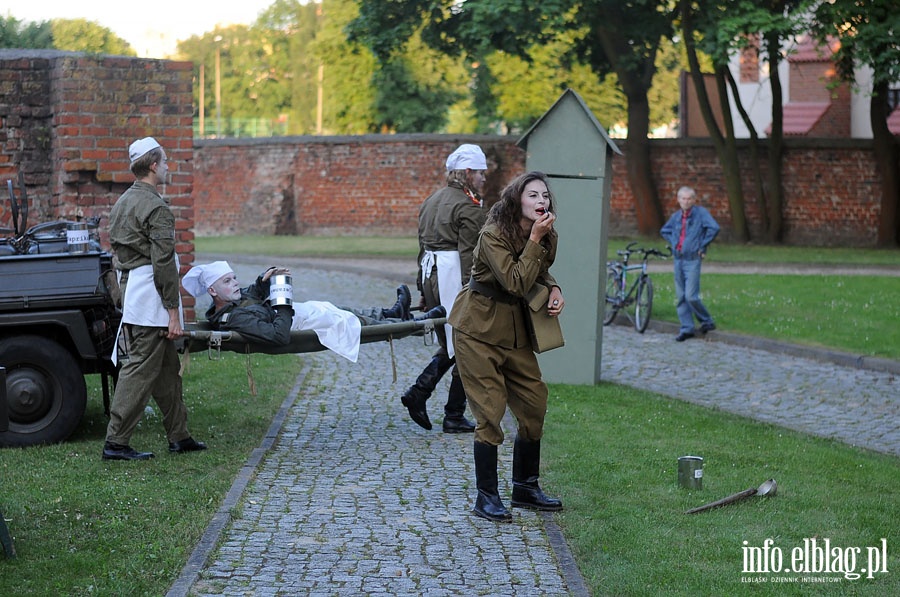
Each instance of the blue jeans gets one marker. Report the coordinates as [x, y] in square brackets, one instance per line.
[687, 292]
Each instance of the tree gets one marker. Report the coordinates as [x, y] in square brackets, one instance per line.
[869, 34]
[610, 36]
[524, 87]
[71, 35]
[291, 28]
[720, 29]
[413, 96]
[81, 35]
[348, 96]
[16, 34]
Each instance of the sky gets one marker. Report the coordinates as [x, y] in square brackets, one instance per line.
[152, 27]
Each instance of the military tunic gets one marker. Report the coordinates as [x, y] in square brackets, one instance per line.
[449, 223]
[493, 348]
[449, 220]
[142, 233]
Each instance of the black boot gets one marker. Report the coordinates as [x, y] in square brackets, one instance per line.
[435, 313]
[454, 418]
[400, 310]
[414, 398]
[488, 503]
[526, 492]
[114, 451]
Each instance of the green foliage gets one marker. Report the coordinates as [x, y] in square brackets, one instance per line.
[265, 70]
[71, 35]
[81, 35]
[16, 34]
[405, 106]
[523, 55]
[526, 87]
[348, 95]
[664, 94]
[867, 30]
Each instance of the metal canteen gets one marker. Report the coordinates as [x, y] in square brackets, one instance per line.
[281, 291]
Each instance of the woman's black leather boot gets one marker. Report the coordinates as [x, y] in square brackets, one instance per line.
[526, 492]
[488, 503]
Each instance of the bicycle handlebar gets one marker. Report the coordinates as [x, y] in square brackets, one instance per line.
[647, 253]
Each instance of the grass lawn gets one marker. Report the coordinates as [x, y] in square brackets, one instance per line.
[847, 313]
[613, 459]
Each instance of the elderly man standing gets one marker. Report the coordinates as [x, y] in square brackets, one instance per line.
[449, 222]
[689, 232]
[142, 235]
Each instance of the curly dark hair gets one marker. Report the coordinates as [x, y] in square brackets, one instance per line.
[507, 212]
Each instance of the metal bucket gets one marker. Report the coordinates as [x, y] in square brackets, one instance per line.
[281, 292]
[690, 472]
[78, 240]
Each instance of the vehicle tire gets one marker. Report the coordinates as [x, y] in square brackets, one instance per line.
[613, 281]
[643, 305]
[46, 394]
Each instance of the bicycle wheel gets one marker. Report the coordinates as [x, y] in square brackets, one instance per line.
[643, 304]
[613, 282]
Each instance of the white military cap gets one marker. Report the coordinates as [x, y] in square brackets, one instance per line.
[200, 277]
[467, 156]
[141, 147]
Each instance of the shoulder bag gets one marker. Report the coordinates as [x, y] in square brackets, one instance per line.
[546, 333]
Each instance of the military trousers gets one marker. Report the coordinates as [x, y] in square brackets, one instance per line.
[149, 368]
[496, 378]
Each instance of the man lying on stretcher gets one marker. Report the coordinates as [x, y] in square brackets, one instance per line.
[249, 312]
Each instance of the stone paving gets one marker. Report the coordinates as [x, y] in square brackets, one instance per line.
[352, 498]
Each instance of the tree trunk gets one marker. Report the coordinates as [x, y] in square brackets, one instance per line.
[887, 155]
[731, 167]
[640, 169]
[775, 216]
[726, 148]
[755, 160]
[635, 79]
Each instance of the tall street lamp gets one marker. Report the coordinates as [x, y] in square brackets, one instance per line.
[217, 39]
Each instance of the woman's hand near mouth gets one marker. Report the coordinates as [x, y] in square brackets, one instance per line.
[541, 227]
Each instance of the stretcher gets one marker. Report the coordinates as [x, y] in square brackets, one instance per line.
[199, 336]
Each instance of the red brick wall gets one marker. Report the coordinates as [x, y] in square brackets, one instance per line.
[66, 121]
[373, 185]
[365, 185]
[831, 189]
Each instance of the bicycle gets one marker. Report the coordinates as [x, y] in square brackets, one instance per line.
[619, 296]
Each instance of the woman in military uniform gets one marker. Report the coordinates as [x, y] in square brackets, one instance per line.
[493, 348]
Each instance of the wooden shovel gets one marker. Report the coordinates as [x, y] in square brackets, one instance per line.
[767, 488]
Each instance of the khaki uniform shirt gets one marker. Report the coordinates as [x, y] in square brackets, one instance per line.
[449, 220]
[141, 232]
[508, 269]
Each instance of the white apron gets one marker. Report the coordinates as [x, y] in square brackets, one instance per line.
[142, 304]
[449, 283]
[336, 329]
